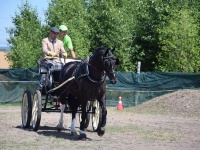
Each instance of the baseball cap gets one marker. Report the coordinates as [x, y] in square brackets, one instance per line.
[63, 28]
[54, 29]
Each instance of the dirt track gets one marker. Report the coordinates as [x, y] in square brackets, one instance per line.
[164, 123]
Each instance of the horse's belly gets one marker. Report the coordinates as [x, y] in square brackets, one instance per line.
[91, 94]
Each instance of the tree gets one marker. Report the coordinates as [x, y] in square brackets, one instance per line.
[163, 35]
[179, 40]
[112, 24]
[166, 30]
[148, 19]
[25, 38]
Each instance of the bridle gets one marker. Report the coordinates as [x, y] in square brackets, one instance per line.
[110, 59]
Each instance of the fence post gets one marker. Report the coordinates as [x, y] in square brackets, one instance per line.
[138, 66]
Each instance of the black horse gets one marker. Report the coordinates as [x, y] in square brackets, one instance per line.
[86, 81]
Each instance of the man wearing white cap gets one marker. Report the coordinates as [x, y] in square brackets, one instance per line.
[66, 40]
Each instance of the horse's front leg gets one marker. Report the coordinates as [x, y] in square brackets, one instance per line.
[82, 135]
[73, 123]
[60, 124]
[101, 130]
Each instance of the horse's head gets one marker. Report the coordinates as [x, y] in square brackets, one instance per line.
[103, 60]
[109, 62]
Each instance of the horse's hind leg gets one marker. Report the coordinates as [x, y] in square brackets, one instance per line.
[60, 124]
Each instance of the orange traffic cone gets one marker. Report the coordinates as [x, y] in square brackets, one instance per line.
[120, 106]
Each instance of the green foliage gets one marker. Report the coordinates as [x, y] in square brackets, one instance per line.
[111, 24]
[148, 18]
[163, 35]
[179, 41]
[25, 38]
[166, 30]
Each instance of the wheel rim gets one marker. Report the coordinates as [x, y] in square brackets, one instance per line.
[95, 116]
[24, 109]
[34, 110]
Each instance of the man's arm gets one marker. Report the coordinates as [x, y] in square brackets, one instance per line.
[44, 47]
[72, 53]
[69, 46]
[62, 49]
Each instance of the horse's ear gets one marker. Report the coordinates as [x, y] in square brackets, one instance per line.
[112, 50]
[117, 62]
[105, 54]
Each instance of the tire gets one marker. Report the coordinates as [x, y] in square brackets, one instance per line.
[87, 121]
[96, 116]
[36, 110]
[26, 109]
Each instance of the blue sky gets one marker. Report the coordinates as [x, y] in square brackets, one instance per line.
[8, 10]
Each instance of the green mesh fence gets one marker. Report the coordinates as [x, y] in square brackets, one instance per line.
[132, 98]
[132, 87]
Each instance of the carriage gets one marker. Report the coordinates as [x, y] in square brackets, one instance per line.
[81, 88]
[44, 101]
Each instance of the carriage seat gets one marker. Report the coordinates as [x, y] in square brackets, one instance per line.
[53, 66]
[49, 65]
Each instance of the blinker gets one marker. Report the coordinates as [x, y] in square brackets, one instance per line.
[117, 61]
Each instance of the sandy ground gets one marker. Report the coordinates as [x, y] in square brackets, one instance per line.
[168, 122]
[3, 62]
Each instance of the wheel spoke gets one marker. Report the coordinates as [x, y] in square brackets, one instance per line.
[96, 115]
[26, 109]
[36, 110]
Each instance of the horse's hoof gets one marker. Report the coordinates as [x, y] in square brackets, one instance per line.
[74, 133]
[59, 128]
[82, 137]
[101, 132]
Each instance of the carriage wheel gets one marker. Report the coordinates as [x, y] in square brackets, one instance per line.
[36, 110]
[87, 121]
[96, 116]
[26, 109]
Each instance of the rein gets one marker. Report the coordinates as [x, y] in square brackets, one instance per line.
[61, 85]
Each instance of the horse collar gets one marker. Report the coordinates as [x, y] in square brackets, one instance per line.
[79, 74]
[92, 79]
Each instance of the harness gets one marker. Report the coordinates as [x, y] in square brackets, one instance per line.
[78, 74]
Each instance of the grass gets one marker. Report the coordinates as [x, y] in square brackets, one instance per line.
[11, 104]
[117, 131]
[138, 110]
[149, 135]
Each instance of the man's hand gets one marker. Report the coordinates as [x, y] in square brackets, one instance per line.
[52, 54]
[64, 55]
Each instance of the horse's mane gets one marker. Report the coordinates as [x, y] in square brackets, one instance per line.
[100, 48]
[97, 51]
